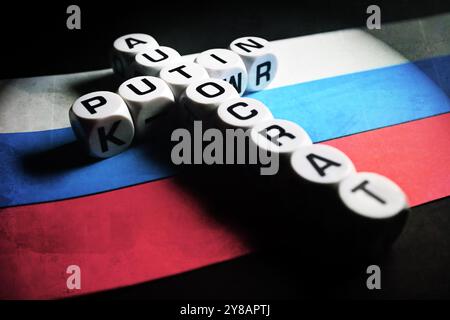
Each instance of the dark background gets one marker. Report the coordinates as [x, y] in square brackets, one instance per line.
[35, 41]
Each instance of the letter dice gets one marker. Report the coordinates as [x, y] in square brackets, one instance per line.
[259, 59]
[375, 209]
[151, 61]
[147, 98]
[126, 48]
[282, 137]
[321, 165]
[180, 75]
[242, 113]
[202, 98]
[226, 65]
[102, 122]
[315, 173]
[279, 139]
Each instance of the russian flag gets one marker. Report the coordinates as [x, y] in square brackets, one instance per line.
[126, 220]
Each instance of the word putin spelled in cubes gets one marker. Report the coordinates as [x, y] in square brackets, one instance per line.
[159, 80]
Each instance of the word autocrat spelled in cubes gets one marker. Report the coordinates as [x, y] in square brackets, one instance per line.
[158, 79]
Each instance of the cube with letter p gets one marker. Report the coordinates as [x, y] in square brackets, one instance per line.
[102, 122]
